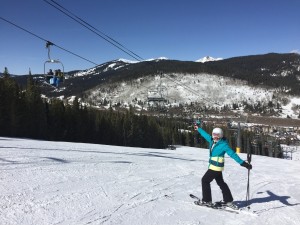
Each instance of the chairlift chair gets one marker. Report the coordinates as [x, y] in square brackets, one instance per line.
[53, 79]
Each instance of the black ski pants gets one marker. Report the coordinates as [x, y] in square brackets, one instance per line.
[208, 177]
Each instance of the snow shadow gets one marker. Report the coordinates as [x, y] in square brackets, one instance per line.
[6, 139]
[125, 162]
[17, 147]
[162, 153]
[147, 154]
[8, 161]
[56, 159]
[272, 197]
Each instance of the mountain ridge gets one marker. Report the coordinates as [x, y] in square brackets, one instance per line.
[276, 73]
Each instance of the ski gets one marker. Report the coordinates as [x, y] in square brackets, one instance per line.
[215, 206]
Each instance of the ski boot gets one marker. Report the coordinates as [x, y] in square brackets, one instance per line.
[203, 203]
[227, 204]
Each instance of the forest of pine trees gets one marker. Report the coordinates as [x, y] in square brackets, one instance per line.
[24, 113]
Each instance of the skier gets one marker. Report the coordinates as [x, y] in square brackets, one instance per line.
[218, 146]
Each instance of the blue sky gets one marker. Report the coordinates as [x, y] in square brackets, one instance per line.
[182, 30]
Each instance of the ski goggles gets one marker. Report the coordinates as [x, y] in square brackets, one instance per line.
[216, 135]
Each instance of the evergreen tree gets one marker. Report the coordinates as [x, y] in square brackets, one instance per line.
[9, 111]
[56, 120]
[36, 123]
[6, 73]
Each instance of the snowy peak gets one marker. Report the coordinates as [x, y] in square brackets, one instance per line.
[108, 66]
[152, 59]
[127, 61]
[208, 59]
[157, 59]
[112, 65]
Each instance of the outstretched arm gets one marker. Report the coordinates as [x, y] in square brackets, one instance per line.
[204, 134]
[235, 156]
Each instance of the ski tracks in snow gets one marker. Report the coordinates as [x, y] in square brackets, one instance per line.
[147, 192]
[86, 184]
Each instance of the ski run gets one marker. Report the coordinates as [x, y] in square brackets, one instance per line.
[45, 182]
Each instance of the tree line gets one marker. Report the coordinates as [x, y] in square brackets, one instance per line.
[24, 113]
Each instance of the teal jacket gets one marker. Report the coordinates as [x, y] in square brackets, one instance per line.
[217, 152]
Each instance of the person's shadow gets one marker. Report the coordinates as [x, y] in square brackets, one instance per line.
[270, 198]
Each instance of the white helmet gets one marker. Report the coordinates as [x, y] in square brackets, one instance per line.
[217, 132]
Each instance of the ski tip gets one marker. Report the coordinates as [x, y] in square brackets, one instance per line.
[193, 196]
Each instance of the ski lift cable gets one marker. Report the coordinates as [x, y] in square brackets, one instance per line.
[101, 34]
[107, 37]
[43, 39]
[182, 85]
[72, 17]
[84, 23]
[186, 87]
[47, 41]
[175, 81]
[88, 24]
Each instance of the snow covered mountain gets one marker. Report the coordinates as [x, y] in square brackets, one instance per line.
[213, 91]
[208, 59]
[142, 87]
[260, 84]
[49, 183]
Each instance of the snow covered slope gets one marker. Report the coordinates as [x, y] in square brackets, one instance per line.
[207, 89]
[46, 182]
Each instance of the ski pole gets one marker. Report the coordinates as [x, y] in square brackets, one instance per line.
[249, 155]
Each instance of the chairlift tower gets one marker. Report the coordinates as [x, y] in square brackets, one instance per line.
[237, 131]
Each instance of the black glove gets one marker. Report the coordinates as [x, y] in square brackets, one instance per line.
[247, 165]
